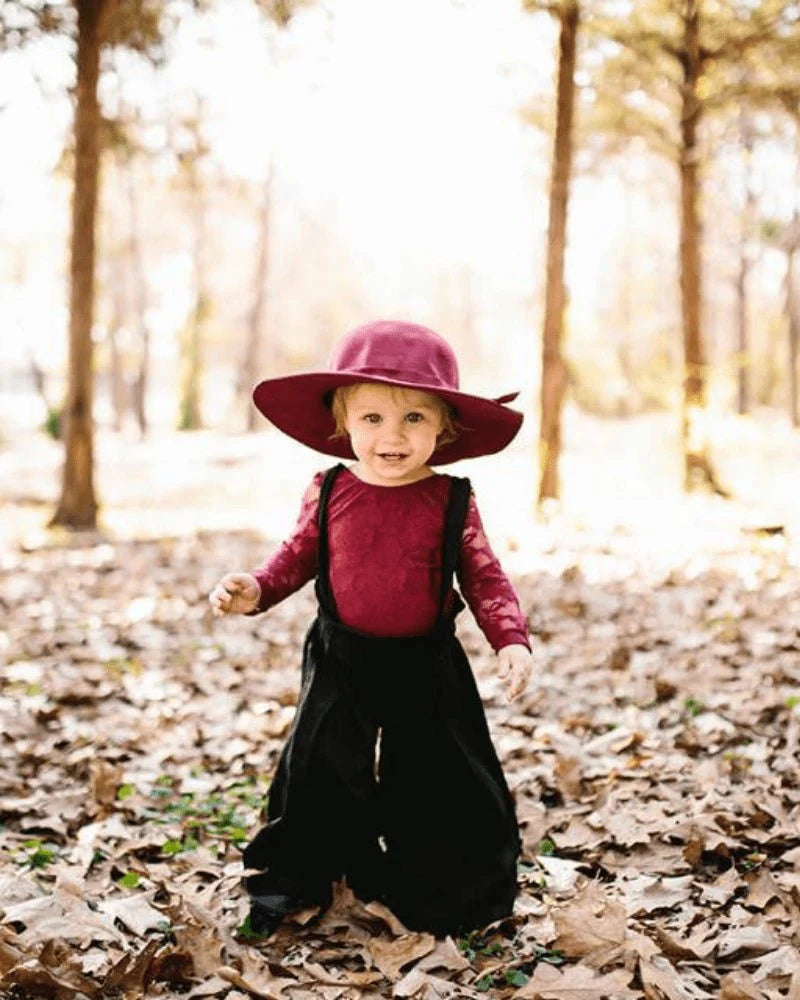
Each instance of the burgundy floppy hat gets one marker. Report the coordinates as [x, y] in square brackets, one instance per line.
[387, 352]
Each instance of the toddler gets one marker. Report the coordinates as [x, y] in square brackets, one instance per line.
[431, 830]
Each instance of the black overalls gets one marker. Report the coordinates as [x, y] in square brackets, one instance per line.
[435, 837]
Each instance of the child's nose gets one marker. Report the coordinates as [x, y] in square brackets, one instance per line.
[397, 427]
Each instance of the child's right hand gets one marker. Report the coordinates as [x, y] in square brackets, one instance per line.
[236, 593]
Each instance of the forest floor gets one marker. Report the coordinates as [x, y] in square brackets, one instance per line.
[653, 760]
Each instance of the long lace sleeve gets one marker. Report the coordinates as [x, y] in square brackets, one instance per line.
[486, 588]
[295, 561]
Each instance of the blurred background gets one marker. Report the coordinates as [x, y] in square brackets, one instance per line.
[271, 174]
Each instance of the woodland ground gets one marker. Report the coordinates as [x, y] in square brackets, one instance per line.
[653, 760]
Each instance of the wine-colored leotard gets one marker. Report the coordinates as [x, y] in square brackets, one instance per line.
[385, 545]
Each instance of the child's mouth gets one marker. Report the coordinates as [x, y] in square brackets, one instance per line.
[392, 456]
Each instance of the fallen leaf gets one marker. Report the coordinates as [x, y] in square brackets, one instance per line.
[645, 893]
[663, 982]
[422, 986]
[444, 956]
[132, 972]
[739, 986]
[264, 985]
[561, 874]
[135, 912]
[391, 956]
[590, 927]
[204, 946]
[575, 982]
[60, 915]
[33, 979]
[781, 962]
[104, 779]
[751, 940]
[346, 979]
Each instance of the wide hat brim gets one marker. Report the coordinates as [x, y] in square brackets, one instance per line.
[299, 405]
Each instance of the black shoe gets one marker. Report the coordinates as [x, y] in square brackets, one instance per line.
[267, 912]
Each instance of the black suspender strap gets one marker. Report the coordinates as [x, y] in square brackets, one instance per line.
[324, 591]
[455, 518]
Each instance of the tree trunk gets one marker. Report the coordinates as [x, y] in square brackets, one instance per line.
[745, 234]
[698, 472]
[140, 379]
[119, 395]
[553, 367]
[248, 369]
[77, 507]
[793, 319]
[190, 418]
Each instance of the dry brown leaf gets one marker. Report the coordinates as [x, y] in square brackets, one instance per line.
[662, 982]
[739, 986]
[173, 966]
[422, 986]
[61, 916]
[568, 772]
[263, 984]
[763, 888]
[722, 890]
[645, 894]
[781, 962]
[561, 874]
[132, 972]
[210, 986]
[395, 925]
[575, 982]
[698, 945]
[591, 927]
[391, 956]
[16, 887]
[346, 979]
[135, 912]
[444, 956]
[203, 945]
[104, 779]
[750, 940]
[10, 955]
[33, 979]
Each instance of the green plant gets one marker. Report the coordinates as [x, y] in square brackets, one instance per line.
[52, 424]
[244, 930]
[39, 854]
[693, 706]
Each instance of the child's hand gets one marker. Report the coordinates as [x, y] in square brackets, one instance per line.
[236, 593]
[515, 663]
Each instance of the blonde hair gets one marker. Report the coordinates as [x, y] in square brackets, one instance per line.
[341, 396]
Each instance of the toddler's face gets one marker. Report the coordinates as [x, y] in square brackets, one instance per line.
[392, 432]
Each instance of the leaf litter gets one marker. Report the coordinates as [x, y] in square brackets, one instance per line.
[653, 762]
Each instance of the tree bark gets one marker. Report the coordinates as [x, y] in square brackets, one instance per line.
[248, 373]
[191, 418]
[746, 232]
[698, 472]
[77, 507]
[119, 395]
[553, 367]
[793, 319]
[140, 379]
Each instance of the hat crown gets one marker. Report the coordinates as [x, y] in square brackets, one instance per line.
[407, 352]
